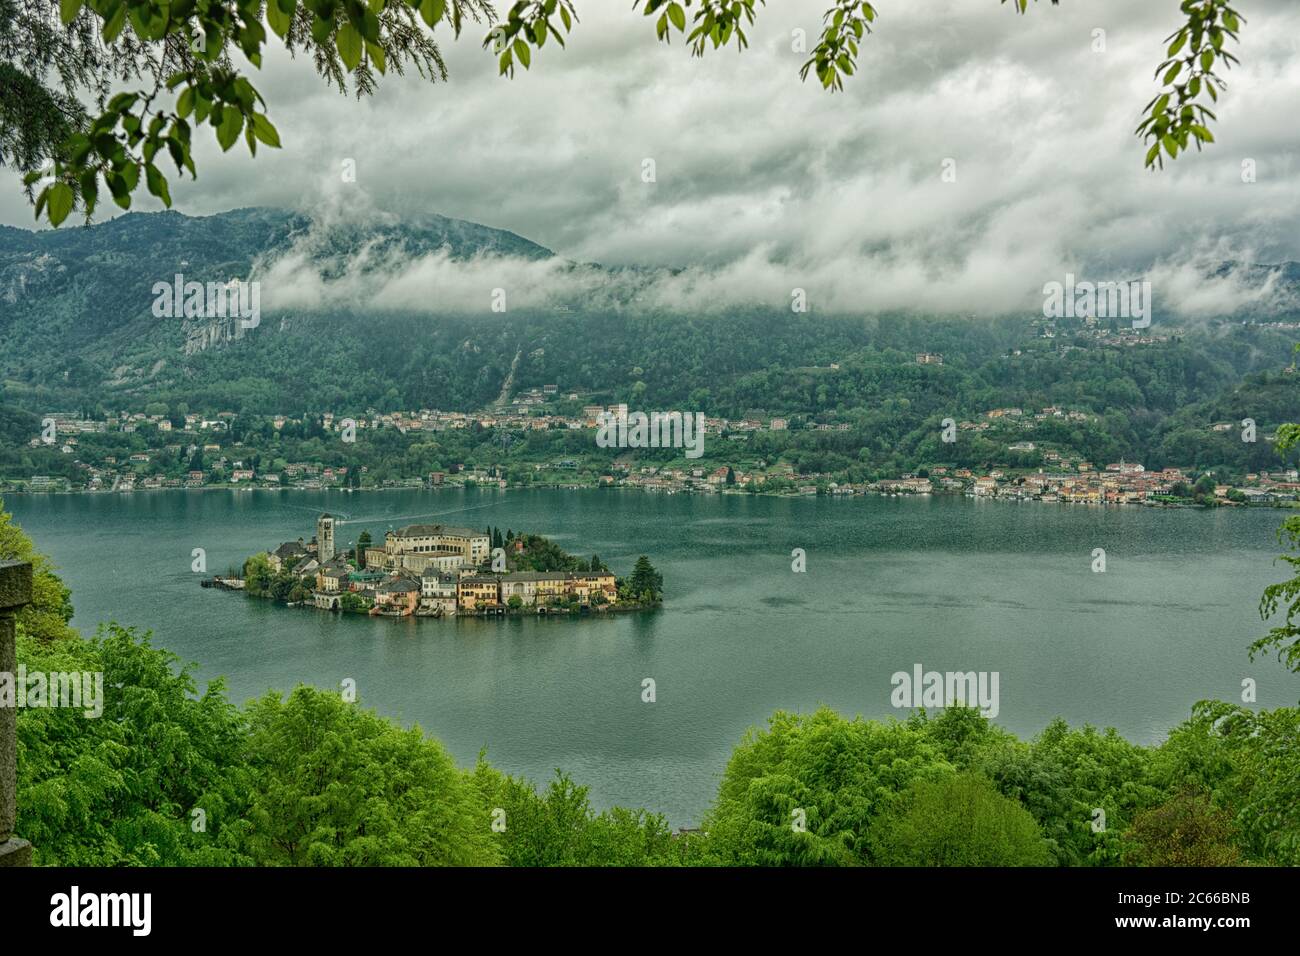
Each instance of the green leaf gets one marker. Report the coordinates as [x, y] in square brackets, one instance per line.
[377, 56]
[60, 202]
[158, 182]
[369, 26]
[432, 10]
[279, 19]
[264, 131]
[89, 189]
[68, 9]
[677, 15]
[232, 121]
[114, 23]
[320, 29]
[348, 42]
[523, 52]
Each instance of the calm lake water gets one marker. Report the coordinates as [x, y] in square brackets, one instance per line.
[952, 584]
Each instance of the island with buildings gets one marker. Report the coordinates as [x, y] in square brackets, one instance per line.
[436, 570]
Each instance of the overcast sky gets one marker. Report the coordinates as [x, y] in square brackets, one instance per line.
[766, 182]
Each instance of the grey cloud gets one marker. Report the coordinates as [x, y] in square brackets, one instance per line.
[766, 183]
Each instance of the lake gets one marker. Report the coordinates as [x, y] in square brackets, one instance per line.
[952, 584]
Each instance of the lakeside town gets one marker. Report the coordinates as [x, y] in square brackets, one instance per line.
[435, 570]
[193, 451]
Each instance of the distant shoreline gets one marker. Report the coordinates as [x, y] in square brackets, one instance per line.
[1280, 505]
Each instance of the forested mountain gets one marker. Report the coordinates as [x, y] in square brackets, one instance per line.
[77, 333]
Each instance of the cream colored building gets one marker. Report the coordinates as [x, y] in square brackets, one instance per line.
[420, 547]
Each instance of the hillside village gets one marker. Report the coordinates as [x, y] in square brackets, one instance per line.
[434, 570]
[1059, 476]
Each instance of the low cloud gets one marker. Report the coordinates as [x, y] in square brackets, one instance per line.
[764, 184]
[1207, 281]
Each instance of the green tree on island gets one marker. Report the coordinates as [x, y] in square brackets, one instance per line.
[646, 584]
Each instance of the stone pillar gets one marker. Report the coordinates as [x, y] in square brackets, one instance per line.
[15, 592]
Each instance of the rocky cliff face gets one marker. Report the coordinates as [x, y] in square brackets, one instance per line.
[22, 275]
[202, 334]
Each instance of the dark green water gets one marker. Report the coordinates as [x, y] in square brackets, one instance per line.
[952, 584]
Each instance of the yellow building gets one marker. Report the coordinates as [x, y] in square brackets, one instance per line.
[477, 591]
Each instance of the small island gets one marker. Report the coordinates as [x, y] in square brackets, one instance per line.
[435, 570]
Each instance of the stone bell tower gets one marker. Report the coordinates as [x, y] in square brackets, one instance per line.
[324, 538]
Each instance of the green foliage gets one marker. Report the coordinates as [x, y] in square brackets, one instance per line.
[353, 603]
[958, 820]
[835, 55]
[1249, 764]
[1064, 777]
[312, 780]
[1178, 115]
[120, 789]
[335, 785]
[257, 575]
[529, 23]
[1284, 637]
[46, 133]
[714, 22]
[646, 584]
[838, 774]
[46, 617]
[1186, 830]
[559, 828]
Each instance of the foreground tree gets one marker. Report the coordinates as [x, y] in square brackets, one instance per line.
[1186, 830]
[156, 780]
[50, 610]
[805, 790]
[558, 826]
[958, 820]
[1284, 638]
[179, 60]
[335, 785]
